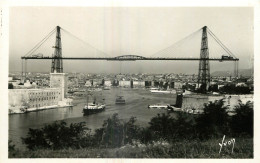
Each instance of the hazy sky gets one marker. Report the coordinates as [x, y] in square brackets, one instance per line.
[129, 30]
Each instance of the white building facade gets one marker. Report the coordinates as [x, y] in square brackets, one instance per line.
[22, 100]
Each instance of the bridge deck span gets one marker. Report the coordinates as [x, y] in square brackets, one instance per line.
[132, 59]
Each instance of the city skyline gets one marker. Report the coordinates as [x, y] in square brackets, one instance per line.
[136, 30]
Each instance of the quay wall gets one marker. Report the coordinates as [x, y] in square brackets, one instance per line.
[198, 101]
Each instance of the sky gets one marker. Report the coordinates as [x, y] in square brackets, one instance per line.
[130, 31]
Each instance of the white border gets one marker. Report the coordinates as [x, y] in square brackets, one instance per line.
[4, 49]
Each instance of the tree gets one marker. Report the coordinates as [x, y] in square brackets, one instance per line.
[213, 88]
[243, 120]
[214, 121]
[163, 126]
[115, 132]
[56, 136]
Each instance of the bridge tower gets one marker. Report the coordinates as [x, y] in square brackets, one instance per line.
[57, 66]
[204, 69]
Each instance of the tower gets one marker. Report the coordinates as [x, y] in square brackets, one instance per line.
[204, 69]
[59, 80]
[57, 66]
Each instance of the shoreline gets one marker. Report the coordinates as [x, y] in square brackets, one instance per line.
[39, 109]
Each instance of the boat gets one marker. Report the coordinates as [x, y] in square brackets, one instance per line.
[159, 106]
[120, 100]
[93, 108]
[106, 88]
[152, 89]
[164, 91]
[97, 89]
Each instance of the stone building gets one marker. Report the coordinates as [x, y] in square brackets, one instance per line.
[138, 84]
[21, 100]
[34, 98]
[124, 83]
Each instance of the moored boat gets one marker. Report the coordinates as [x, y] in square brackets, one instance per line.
[120, 100]
[159, 106]
[164, 91]
[106, 88]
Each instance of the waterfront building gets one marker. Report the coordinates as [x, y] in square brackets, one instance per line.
[178, 85]
[88, 83]
[107, 83]
[34, 98]
[124, 83]
[22, 100]
[137, 84]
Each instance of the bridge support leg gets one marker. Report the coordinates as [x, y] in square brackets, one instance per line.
[204, 68]
[57, 65]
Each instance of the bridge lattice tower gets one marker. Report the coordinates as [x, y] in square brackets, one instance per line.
[204, 67]
[57, 65]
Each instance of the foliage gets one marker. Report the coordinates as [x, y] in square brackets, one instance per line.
[214, 122]
[58, 135]
[155, 149]
[55, 136]
[165, 127]
[232, 89]
[162, 126]
[243, 120]
[116, 133]
[213, 88]
[11, 149]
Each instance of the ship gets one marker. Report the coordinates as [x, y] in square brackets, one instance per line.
[120, 100]
[92, 108]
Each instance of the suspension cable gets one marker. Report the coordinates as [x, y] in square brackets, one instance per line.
[220, 43]
[104, 54]
[40, 43]
[176, 44]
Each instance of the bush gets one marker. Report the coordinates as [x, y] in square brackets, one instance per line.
[11, 149]
[116, 133]
[232, 89]
[168, 128]
[243, 120]
[214, 122]
[162, 126]
[56, 136]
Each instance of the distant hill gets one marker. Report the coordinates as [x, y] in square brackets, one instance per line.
[242, 72]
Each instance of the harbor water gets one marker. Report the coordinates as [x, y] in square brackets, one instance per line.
[137, 101]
